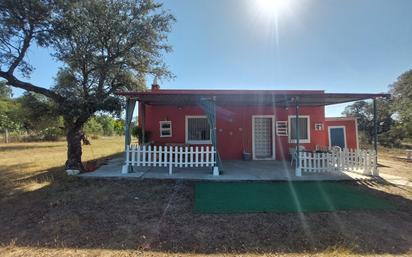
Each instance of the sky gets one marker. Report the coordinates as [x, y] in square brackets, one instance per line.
[350, 46]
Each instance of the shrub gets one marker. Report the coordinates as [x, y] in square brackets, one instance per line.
[137, 132]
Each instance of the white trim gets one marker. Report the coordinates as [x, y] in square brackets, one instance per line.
[356, 133]
[273, 136]
[195, 142]
[344, 134]
[162, 129]
[303, 141]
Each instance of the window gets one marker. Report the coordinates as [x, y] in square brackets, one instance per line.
[281, 128]
[197, 130]
[304, 129]
[165, 129]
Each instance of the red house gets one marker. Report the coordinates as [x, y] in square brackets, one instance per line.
[244, 124]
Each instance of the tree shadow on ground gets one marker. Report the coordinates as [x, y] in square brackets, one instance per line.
[157, 216]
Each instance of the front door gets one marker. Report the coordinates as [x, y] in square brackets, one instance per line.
[337, 136]
[263, 137]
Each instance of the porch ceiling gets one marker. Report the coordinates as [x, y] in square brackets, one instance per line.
[249, 98]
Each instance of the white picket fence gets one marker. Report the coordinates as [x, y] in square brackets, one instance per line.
[170, 156]
[360, 161]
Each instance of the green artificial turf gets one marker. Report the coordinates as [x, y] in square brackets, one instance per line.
[282, 197]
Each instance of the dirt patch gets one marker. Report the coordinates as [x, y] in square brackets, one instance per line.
[45, 213]
[393, 162]
[157, 217]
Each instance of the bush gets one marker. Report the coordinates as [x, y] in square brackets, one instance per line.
[92, 128]
[118, 126]
[137, 132]
[391, 138]
[107, 124]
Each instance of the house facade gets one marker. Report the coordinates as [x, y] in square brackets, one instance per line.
[219, 128]
[244, 129]
[266, 133]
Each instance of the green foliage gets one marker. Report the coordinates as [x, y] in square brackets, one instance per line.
[5, 91]
[104, 125]
[112, 56]
[401, 92]
[392, 137]
[7, 124]
[104, 46]
[118, 126]
[32, 114]
[38, 113]
[363, 110]
[22, 23]
[107, 123]
[93, 128]
[137, 132]
[9, 115]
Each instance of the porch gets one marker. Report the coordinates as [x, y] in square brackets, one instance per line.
[233, 171]
[179, 156]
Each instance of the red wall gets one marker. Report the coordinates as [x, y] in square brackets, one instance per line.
[350, 130]
[234, 127]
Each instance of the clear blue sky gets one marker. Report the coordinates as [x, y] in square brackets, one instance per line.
[334, 45]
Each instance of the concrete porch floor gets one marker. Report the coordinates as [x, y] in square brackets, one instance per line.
[233, 171]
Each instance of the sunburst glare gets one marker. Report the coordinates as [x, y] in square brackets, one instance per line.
[269, 14]
[273, 8]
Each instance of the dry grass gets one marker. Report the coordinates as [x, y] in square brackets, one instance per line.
[29, 166]
[63, 216]
[393, 161]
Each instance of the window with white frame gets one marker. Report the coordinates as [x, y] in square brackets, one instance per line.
[165, 128]
[304, 129]
[197, 130]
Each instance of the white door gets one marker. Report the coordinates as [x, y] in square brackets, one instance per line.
[263, 137]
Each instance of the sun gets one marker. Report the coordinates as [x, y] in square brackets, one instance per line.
[272, 7]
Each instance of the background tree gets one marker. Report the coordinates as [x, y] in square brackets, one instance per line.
[5, 91]
[104, 46]
[118, 126]
[8, 112]
[93, 128]
[39, 116]
[401, 92]
[107, 123]
[363, 111]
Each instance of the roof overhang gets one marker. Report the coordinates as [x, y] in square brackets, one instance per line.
[248, 98]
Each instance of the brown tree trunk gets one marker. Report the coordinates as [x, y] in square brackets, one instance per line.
[6, 136]
[74, 149]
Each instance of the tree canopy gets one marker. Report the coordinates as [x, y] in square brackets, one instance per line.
[394, 115]
[103, 45]
[401, 92]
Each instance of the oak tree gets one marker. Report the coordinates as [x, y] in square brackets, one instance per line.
[103, 46]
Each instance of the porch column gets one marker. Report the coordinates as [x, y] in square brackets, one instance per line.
[375, 171]
[298, 171]
[130, 105]
[209, 107]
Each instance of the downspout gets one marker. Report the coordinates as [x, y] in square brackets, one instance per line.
[375, 137]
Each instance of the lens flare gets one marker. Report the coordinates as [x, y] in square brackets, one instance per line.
[272, 7]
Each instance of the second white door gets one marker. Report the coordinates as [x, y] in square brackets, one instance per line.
[263, 147]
